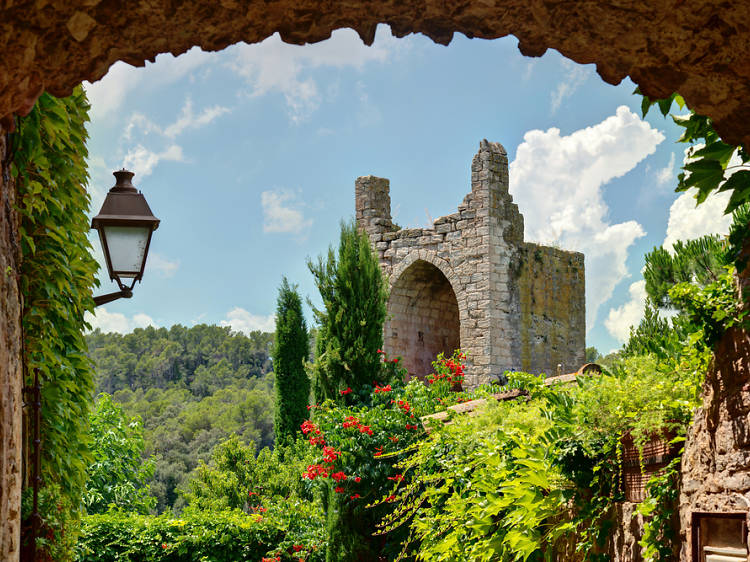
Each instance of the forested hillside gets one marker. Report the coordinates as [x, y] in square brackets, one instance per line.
[192, 387]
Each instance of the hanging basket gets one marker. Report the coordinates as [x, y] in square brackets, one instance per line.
[638, 466]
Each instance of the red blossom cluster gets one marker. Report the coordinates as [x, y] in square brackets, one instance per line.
[345, 392]
[385, 357]
[451, 370]
[397, 478]
[338, 476]
[404, 405]
[264, 559]
[386, 388]
[315, 470]
[339, 490]
[408, 426]
[378, 451]
[330, 455]
[351, 421]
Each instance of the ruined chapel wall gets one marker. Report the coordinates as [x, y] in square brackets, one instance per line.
[552, 309]
[503, 317]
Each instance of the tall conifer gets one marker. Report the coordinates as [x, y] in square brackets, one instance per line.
[350, 332]
[289, 353]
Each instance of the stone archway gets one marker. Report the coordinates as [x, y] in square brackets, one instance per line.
[423, 318]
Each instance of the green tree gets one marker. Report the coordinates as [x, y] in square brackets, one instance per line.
[592, 355]
[289, 354]
[118, 474]
[350, 332]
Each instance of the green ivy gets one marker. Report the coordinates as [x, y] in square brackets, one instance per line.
[708, 161]
[56, 280]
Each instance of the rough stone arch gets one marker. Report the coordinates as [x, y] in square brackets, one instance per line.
[698, 48]
[424, 312]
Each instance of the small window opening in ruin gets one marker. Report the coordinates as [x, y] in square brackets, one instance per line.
[719, 537]
[423, 318]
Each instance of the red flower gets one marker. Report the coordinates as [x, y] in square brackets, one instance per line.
[350, 421]
[355, 496]
[330, 455]
[338, 476]
[378, 451]
[394, 439]
[298, 547]
[380, 351]
[365, 429]
[347, 391]
[164, 545]
[339, 490]
[397, 478]
[308, 426]
[390, 499]
[315, 470]
[386, 388]
[252, 494]
[357, 479]
[317, 440]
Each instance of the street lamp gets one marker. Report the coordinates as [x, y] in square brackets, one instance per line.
[125, 224]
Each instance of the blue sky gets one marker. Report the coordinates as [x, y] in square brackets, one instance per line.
[249, 156]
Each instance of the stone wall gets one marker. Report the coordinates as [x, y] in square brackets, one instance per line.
[551, 291]
[10, 366]
[716, 463]
[467, 281]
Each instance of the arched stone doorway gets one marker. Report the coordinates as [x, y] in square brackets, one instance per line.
[423, 318]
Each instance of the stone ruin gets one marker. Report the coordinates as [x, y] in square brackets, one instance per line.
[470, 281]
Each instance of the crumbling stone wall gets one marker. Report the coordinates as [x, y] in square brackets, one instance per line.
[716, 463]
[10, 365]
[551, 282]
[470, 280]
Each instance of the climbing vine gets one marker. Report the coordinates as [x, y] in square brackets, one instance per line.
[56, 281]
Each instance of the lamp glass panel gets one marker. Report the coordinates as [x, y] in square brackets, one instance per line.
[127, 248]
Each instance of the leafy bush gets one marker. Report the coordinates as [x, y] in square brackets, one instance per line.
[118, 474]
[282, 532]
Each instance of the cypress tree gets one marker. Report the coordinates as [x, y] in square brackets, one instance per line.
[350, 332]
[289, 353]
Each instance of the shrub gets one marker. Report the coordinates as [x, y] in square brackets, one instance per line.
[206, 536]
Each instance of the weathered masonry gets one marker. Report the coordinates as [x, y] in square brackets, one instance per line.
[471, 281]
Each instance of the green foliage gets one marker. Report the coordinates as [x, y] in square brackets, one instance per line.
[289, 354]
[204, 536]
[661, 515]
[714, 308]
[354, 295]
[708, 167]
[118, 476]
[56, 281]
[238, 479]
[641, 396]
[192, 387]
[592, 355]
[696, 261]
[201, 358]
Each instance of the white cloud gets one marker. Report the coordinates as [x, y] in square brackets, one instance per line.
[687, 221]
[240, 320]
[575, 76]
[161, 265]
[665, 175]
[279, 216]
[188, 120]
[557, 182]
[142, 161]
[275, 66]
[108, 94]
[620, 319]
[117, 322]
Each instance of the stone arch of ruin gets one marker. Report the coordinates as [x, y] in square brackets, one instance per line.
[425, 315]
[520, 306]
[699, 48]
